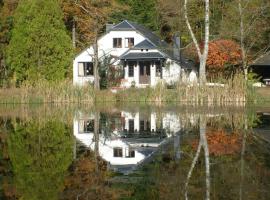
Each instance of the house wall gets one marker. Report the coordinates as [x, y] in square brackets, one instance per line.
[105, 46]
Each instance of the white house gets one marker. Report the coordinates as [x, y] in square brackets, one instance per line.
[144, 57]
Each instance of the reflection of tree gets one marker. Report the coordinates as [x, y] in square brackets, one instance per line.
[86, 183]
[202, 144]
[40, 154]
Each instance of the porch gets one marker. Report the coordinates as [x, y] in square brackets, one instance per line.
[142, 72]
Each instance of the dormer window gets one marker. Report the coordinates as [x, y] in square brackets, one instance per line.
[129, 42]
[117, 42]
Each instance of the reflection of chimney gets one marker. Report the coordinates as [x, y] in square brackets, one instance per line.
[109, 27]
[177, 46]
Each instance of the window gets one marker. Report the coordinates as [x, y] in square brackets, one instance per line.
[130, 71]
[158, 69]
[131, 65]
[117, 42]
[86, 126]
[131, 125]
[145, 125]
[117, 152]
[129, 42]
[86, 69]
[129, 153]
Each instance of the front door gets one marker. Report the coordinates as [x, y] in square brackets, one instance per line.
[144, 76]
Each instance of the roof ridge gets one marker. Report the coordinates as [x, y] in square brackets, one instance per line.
[130, 24]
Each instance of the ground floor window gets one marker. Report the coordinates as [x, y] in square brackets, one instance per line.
[131, 125]
[86, 126]
[131, 65]
[158, 69]
[85, 69]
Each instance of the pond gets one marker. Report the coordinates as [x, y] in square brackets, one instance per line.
[50, 152]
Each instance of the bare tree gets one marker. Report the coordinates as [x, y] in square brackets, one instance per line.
[201, 54]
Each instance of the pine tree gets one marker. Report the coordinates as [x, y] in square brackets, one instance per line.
[40, 47]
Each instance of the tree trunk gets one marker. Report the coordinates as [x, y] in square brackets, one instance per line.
[243, 49]
[96, 64]
[96, 138]
[74, 33]
[202, 56]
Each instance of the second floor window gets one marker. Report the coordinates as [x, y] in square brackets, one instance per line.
[117, 42]
[117, 152]
[86, 69]
[129, 42]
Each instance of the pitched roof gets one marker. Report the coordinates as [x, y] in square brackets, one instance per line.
[153, 38]
[146, 44]
[153, 55]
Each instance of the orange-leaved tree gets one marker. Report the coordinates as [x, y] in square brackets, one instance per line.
[224, 57]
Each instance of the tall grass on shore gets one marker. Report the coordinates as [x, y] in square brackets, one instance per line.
[45, 92]
[235, 91]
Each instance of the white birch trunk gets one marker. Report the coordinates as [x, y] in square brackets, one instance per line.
[243, 49]
[202, 55]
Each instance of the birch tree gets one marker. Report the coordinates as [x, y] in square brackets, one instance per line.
[202, 54]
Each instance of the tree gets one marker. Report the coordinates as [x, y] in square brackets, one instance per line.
[40, 47]
[224, 57]
[247, 23]
[202, 55]
[40, 153]
[7, 8]
[93, 16]
[140, 11]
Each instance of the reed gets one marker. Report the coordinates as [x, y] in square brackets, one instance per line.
[46, 92]
[233, 92]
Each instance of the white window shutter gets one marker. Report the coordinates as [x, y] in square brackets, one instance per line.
[80, 69]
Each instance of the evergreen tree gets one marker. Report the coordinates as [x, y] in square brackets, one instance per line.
[40, 47]
[140, 11]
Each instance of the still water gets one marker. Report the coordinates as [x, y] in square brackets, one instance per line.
[134, 152]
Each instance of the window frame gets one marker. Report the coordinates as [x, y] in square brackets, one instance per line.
[118, 44]
[127, 42]
[131, 65]
[91, 65]
[85, 128]
[117, 152]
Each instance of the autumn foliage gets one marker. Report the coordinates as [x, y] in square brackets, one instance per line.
[224, 56]
[221, 143]
[222, 53]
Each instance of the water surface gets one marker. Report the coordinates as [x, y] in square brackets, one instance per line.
[134, 152]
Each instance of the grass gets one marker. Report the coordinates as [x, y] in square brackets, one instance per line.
[235, 92]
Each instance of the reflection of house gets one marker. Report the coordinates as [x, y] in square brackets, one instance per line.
[130, 143]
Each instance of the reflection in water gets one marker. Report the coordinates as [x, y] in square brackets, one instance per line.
[135, 154]
[133, 137]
